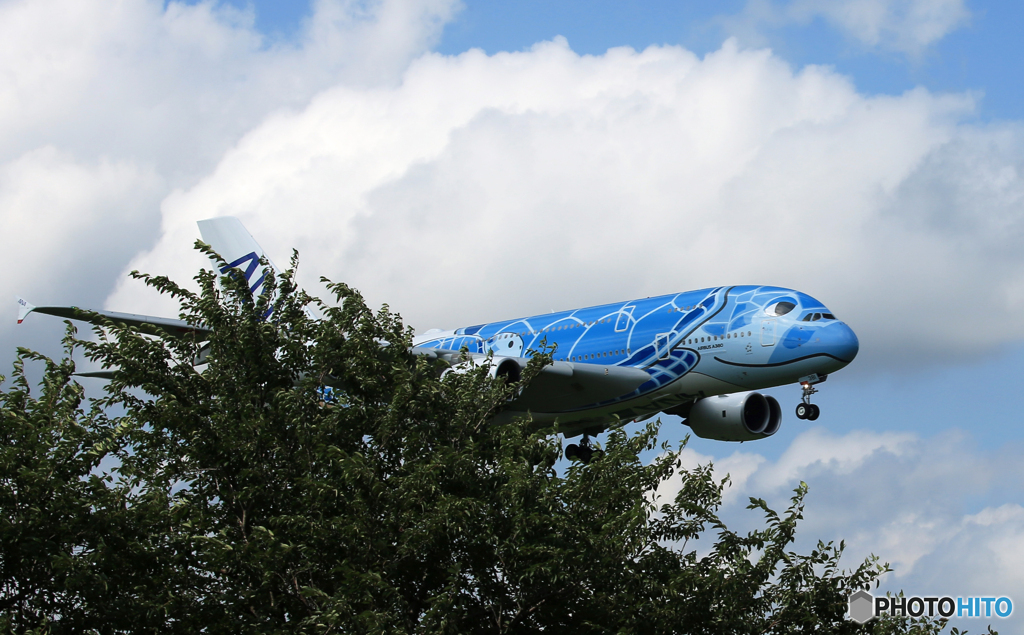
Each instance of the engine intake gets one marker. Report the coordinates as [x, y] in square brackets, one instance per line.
[742, 416]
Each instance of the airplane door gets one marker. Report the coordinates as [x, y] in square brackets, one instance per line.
[767, 332]
[663, 345]
[623, 319]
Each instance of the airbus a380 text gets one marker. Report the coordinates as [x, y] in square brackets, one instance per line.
[698, 354]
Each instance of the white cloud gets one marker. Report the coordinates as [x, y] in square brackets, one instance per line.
[107, 108]
[474, 187]
[908, 26]
[63, 219]
[816, 451]
[177, 85]
[482, 187]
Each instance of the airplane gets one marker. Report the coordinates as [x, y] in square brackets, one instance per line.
[701, 355]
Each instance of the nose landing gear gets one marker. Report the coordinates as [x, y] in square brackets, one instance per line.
[805, 409]
[584, 452]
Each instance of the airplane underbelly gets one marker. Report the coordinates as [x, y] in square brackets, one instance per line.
[693, 385]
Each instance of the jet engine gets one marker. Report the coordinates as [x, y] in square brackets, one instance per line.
[507, 368]
[742, 416]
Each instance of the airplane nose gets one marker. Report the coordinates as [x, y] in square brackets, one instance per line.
[843, 342]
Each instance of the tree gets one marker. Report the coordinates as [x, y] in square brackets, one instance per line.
[247, 497]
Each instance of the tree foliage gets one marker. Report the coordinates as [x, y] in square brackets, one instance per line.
[247, 498]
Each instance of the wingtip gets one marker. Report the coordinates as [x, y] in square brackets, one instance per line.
[24, 308]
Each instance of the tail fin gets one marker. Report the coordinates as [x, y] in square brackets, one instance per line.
[232, 241]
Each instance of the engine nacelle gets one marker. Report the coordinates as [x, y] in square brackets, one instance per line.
[507, 368]
[742, 416]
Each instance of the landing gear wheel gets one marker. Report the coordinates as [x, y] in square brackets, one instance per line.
[815, 411]
[584, 452]
[803, 411]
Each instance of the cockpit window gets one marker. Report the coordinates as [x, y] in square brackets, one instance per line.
[780, 308]
[814, 317]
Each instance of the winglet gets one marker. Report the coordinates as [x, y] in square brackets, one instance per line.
[24, 308]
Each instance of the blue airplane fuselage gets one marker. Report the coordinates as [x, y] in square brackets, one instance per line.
[692, 345]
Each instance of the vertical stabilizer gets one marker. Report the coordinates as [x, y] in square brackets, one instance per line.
[232, 241]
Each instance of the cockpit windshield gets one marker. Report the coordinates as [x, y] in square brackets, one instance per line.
[814, 317]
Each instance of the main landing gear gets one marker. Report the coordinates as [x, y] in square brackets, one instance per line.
[584, 452]
[805, 409]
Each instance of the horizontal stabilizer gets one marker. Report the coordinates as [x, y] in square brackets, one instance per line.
[145, 323]
[98, 374]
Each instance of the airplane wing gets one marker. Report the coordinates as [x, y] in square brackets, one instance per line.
[565, 386]
[560, 386]
[145, 323]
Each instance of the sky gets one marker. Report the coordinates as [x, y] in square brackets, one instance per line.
[471, 161]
